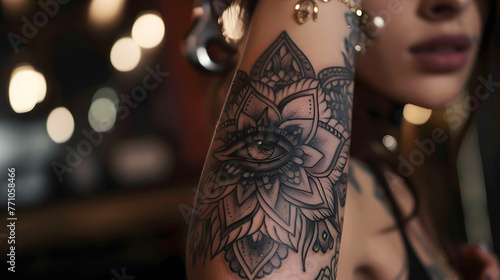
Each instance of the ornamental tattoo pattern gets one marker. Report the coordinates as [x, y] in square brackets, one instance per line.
[340, 98]
[275, 180]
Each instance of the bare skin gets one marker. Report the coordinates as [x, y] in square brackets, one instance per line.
[371, 251]
[272, 196]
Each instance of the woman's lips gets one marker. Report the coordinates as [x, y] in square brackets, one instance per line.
[442, 54]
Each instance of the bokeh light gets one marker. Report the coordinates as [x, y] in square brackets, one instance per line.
[60, 125]
[233, 26]
[141, 160]
[390, 142]
[415, 114]
[148, 31]
[105, 12]
[27, 88]
[379, 21]
[42, 86]
[106, 92]
[125, 54]
[15, 6]
[102, 114]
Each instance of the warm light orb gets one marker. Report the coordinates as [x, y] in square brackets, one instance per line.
[379, 21]
[27, 88]
[15, 6]
[390, 142]
[42, 86]
[148, 31]
[125, 54]
[233, 28]
[104, 12]
[102, 114]
[416, 115]
[60, 125]
[106, 92]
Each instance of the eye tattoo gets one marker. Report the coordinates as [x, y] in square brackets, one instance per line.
[275, 180]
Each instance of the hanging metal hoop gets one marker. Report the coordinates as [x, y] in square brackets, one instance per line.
[304, 8]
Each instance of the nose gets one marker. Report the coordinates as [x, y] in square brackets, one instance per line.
[437, 10]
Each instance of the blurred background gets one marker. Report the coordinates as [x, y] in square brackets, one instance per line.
[103, 119]
[106, 124]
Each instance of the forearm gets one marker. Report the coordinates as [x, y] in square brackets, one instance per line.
[272, 194]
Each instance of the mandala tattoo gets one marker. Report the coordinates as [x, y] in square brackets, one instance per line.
[275, 180]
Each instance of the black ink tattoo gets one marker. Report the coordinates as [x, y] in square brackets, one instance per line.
[339, 97]
[275, 180]
[353, 181]
[378, 192]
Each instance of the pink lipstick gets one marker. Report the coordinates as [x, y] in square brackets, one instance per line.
[444, 53]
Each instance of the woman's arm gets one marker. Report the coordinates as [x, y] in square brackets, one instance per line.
[271, 199]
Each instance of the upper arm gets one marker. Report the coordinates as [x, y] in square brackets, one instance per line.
[271, 198]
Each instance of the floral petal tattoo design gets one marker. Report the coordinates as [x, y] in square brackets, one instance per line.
[274, 182]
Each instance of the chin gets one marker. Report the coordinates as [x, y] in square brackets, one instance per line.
[433, 92]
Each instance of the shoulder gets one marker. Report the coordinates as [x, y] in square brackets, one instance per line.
[366, 195]
[361, 176]
[363, 180]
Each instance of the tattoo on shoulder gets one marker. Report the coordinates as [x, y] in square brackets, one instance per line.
[274, 183]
